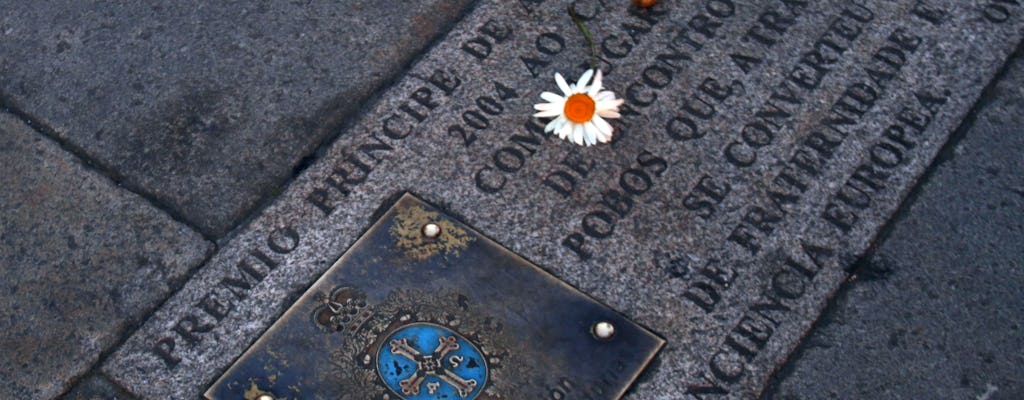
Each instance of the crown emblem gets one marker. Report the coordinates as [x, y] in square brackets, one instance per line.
[344, 309]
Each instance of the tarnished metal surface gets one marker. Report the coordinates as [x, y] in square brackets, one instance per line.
[406, 316]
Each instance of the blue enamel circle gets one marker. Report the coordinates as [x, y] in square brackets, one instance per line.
[424, 361]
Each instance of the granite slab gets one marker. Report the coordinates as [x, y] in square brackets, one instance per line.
[762, 146]
[934, 311]
[81, 260]
[206, 107]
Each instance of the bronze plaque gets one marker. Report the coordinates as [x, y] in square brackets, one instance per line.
[424, 307]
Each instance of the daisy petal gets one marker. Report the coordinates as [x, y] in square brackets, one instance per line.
[555, 124]
[582, 83]
[565, 131]
[577, 134]
[609, 104]
[547, 114]
[551, 97]
[609, 113]
[592, 133]
[562, 84]
[596, 86]
[548, 106]
[602, 125]
[606, 95]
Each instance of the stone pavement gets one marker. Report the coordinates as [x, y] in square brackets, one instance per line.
[935, 311]
[82, 261]
[135, 136]
[205, 108]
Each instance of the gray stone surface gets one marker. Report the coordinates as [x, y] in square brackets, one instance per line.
[935, 311]
[97, 387]
[80, 261]
[667, 249]
[206, 107]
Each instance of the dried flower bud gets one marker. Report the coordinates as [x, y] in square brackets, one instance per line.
[645, 3]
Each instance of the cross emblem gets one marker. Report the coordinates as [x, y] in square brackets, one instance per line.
[437, 363]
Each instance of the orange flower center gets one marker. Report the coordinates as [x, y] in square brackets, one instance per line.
[579, 108]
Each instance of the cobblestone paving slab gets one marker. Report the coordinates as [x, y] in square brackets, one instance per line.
[206, 107]
[80, 260]
[763, 146]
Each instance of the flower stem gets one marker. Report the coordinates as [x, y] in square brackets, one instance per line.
[586, 35]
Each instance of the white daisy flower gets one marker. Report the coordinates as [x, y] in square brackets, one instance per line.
[579, 115]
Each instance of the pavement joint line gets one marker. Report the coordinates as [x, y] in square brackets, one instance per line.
[8, 105]
[134, 325]
[83, 168]
[265, 201]
[90, 164]
[94, 166]
[346, 122]
[946, 154]
[92, 373]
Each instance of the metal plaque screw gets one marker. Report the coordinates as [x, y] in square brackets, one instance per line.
[431, 230]
[603, 330]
